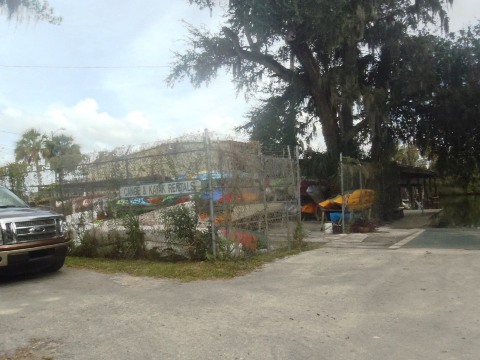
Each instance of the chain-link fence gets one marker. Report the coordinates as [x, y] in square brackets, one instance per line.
[349, 198]
[180, 198]
[391, 183]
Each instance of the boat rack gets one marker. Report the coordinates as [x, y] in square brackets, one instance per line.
[357, 203]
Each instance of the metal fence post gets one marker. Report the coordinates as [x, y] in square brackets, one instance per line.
[264, 188]
[298, 183]
[343, 195]
[210, 189]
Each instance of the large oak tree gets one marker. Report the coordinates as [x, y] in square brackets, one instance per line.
[318, 63]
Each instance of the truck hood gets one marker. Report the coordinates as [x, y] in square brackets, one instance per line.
[25, 212]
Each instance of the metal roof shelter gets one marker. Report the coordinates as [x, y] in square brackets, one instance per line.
[418, 187]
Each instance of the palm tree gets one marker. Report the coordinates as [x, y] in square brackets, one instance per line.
[62, 154]
[31, 149]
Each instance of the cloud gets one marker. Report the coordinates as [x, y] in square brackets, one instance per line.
[463, 13]
[11, 113]
[97, 130]
[138, 121]
[94, 129]
[224, 125]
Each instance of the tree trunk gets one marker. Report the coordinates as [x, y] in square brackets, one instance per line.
[348, 146]
[39, 175]
[321, 99]
[328, 121]
[349, 93]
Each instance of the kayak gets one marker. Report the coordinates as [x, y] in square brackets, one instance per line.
[357, 200]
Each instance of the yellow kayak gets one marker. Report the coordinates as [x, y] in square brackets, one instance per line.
[359, 199]
[332, 203]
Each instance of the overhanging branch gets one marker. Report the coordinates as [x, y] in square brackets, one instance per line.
[349, 135]
[257, 57]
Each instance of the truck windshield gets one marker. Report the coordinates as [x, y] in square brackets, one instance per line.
[9, 199]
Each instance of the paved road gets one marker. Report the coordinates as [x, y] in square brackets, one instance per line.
[426, 238]
[411, 231]
[325, 304]
[468, 239]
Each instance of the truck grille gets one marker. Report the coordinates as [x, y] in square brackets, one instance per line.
[29, 231]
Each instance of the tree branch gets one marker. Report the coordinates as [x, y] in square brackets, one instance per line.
[253, 45]
[257, 57]
[305, 57]
[356, 129]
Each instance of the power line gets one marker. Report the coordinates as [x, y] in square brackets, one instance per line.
[83, 66]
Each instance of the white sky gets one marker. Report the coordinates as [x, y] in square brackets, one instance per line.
[109, 107]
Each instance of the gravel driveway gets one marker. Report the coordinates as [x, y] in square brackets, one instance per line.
[323, 304]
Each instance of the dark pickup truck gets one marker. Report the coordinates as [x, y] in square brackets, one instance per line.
[31, 239]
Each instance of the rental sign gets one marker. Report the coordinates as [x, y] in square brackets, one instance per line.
[168, 188]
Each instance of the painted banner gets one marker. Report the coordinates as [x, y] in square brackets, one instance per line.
[168, 188]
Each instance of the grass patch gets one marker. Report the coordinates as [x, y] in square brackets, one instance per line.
[185, 270]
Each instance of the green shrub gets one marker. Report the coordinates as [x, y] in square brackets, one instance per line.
[88, 247]
[128, 244]
[298, 236]
[181, 229]
[134, 243]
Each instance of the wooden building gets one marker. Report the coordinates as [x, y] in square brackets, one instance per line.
[417, 187]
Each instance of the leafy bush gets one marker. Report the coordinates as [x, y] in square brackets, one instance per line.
[180, 224]
[135, 240]
[117, 244]
[88, 247]
[298, 236]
